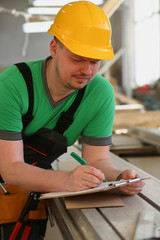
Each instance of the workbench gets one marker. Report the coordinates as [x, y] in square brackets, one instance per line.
[138, 219]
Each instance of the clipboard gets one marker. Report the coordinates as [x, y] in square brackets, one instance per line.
[103, 187]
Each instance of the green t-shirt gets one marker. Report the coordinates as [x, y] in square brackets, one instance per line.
[93, 118]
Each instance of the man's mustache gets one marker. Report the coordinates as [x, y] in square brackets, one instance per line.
[83, 75]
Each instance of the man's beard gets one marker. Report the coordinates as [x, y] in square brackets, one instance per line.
[68, 85]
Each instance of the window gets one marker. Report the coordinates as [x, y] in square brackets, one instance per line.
[147, 41]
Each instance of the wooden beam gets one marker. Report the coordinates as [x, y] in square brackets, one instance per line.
[41, 18]
[108, 64]
[121, 98]
[145, 135]
[145, 226]
[110, 6]
[148, 119]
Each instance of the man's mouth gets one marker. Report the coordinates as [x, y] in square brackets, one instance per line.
[82, 77]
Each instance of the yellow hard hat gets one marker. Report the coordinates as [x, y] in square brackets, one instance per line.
[84, 29]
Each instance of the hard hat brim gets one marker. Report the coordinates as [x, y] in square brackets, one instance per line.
[85, 51]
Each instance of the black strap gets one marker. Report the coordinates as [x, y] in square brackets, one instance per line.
[65, 119]
[27, 75]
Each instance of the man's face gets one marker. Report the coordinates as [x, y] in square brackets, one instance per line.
[74, 71]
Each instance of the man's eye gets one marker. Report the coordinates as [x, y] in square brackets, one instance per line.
[77, 60]
[93, 62]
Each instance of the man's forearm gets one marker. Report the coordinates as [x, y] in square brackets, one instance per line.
[110, 171]
[35, 179]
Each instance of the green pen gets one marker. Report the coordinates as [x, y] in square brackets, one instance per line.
[81, 161]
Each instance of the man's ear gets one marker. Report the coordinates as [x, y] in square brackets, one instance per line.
[53, 47]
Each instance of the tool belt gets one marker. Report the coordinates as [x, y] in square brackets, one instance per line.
[12, 205]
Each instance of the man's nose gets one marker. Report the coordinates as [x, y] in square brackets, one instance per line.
[86, 68]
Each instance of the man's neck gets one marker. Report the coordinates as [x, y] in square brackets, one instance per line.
[57, 91]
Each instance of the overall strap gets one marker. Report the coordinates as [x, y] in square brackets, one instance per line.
[27, 75]
[65, 119]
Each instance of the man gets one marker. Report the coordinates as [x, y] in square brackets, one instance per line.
[80, 41]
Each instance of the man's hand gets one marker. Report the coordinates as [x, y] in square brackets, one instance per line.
[84, 177]
[132, 188]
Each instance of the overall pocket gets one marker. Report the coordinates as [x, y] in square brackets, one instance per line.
[43, 147]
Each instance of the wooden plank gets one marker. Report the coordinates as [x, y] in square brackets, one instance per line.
[64, 223]
[149, 163]
[41, 18]
[123, 144]
[133, 150]
[122, 99]
[148, 119]
[129, 108]
[147, 136]
[108, 64]
[81, 224]
[110, 6]
[151, 190]
[120, 223]
[124, 140]
[89, 219]
[124, 221]
[145, 226]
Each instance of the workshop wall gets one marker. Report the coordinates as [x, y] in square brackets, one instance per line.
[12, 37]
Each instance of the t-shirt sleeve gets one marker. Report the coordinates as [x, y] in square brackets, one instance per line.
[99, 129]
[11, 103]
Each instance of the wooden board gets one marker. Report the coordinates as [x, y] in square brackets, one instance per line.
[121, 98]
[124, 140]
[150, 136]
[151, 190]
[125, 145]
[145, 162]
[125, 219]
[113, 223]
[149, 119]
[110, 6]
[145, 226]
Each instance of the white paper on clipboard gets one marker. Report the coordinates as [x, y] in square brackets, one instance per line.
[103, 187]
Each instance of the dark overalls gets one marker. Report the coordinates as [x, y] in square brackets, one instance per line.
[40, 149]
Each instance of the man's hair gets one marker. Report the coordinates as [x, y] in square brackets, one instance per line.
[60, 44]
